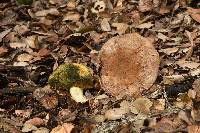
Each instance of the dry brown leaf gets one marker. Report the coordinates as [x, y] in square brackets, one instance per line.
[99, 118]
[72, 4]
[169, 51]
[159, 104]
[31, 41]
[196, 88]
[23, 113]
[72, 16]
[17, 45]
[28, 128]
[188, 64]
[21, 29]
[41, 130]
[20, 64]
[193, 129]
[65, 128]
[195, 113]
[51, 11]
[43, 52]
[145, 25]
[24, 57]
[115, 113]
[121, 27]
[122, 75]
[4, 33]
[3, 50]
[164, 9]
[49, 102]
[164, 126]
[183, 116]
[35, 121]
[162, 37]
[141, 106]
[65, 115]
[105, 26]
[145, 5]
[172, 78]
[194, 13]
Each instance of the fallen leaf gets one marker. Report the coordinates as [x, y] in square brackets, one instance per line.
[196, 88]
[159, 104]
[17, 45]
[65, 115]
[3, 50]
[193, 129]
[28, 128]
[24, 57]
[21, 29]
[4, 33]
[35, 121]
[184, 116]
[65, 128]
[145, 5]
[105, 26]
[188, 64]
[99, 118]
[141, 106]
[20, 64]
[24, 113]
[145, 25]
[162, 37]
[115, 113]
[49, 102]
[169, 51]
[121, 27]
[194, 13]
[164, 126]
[41, 130]
[51, 11]
[43, 52]
[72, 16]
[31, 41]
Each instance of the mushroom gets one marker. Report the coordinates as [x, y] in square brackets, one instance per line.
[74, 77]
[69, 75]
[130, 65]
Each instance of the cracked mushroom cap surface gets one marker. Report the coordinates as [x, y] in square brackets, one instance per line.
[130, 65]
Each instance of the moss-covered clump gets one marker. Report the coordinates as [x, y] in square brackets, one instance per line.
[69, 75]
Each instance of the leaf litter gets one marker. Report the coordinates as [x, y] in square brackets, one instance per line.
[39, 37]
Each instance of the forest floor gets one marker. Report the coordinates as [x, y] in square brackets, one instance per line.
[37, 37]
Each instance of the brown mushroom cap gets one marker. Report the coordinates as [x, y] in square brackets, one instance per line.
[130, 65]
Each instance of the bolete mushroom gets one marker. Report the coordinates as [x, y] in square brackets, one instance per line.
[130, 65]
[74, 77]
[69, 75]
